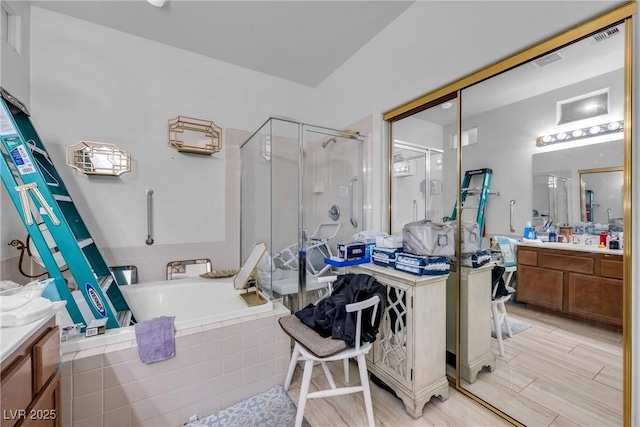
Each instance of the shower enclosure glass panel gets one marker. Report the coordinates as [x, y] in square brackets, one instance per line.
[416, 185]
[550, 200]
[301, 195]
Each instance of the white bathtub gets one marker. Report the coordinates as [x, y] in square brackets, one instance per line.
[193, 301]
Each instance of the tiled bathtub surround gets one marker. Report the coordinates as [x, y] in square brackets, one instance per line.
[215, 366]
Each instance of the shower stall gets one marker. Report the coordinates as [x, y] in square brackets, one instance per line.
[416, 185]
[301, 193]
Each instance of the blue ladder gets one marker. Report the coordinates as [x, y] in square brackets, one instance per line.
[482, 192]
[52, 219]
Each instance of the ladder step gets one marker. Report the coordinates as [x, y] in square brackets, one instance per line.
[105, 282]
[85, 242]
[60, 198]
[124, 318]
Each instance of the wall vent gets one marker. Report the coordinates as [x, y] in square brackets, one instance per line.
[548, 59]
[603, 35]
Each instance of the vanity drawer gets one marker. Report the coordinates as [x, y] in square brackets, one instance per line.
[611, 268]
[526, 257]
[576, 264]
[46, 357]
[16, 390]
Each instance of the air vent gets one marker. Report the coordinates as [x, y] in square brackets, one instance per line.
[603, 35]
[548, 59]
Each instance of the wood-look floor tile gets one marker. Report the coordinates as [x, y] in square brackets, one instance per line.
[510, 402]
[570, 406]
[597, 355]
[610, 377]
[563, 422]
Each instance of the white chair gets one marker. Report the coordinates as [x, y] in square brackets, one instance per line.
[311, 348]
[499, 310]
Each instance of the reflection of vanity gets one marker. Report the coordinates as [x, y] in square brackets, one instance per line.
[475, 320]
[409, 352]
[583, 282]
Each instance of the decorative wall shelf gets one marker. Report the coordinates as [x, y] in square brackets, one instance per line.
[98, 158]
[190, 135]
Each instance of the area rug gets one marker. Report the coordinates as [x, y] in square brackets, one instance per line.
[273, 408]
[517, 326]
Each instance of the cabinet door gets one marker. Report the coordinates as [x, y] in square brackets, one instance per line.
[392, 349]
[539, 286]
[46, 409]
[596, 298]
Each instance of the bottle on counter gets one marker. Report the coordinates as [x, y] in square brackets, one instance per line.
[553, 237]
[528, 231]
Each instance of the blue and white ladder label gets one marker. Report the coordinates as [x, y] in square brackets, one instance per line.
[6, 127]
[95, 299]
[22, 160]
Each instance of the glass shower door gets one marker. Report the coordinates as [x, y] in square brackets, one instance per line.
[331, 208]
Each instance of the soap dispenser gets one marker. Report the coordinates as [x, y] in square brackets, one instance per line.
[528, 231]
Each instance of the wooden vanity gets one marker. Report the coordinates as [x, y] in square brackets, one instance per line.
[30, 379]
[578, 281]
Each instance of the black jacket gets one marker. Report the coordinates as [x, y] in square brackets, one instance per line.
[329, 316]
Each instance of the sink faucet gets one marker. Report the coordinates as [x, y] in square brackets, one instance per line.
[588, 241]
[575, 239]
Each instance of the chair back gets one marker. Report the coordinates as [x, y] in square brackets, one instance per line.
[359, 307]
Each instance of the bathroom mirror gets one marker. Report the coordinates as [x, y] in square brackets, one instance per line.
[249, 266]
[504, 110]
[557, 193]
[601, 195]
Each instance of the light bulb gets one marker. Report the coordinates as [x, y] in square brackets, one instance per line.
[157, 3]
[561, 136]
[613, 126]
[577, 133]
[546, 139]
[594, 130]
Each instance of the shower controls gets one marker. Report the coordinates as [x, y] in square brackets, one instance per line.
[334, 213]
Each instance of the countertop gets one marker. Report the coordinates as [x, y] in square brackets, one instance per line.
[572, 247]
[11, 338]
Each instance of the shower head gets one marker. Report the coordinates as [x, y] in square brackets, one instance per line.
[324, 144]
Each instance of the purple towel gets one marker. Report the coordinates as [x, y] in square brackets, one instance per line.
[156, 339]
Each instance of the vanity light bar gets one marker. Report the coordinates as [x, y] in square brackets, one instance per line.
[587, 132]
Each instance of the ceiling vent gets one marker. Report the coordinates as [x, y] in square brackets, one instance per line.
[603, 35]
[548, 59]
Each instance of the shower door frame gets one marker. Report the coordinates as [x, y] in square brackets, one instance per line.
[304, 129]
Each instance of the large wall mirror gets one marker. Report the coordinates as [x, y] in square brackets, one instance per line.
[548, 127]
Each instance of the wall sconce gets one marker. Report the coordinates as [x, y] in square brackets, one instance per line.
[582, 133]
[402, 168]
[265, 148]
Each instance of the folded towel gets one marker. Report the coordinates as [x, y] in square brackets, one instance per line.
[156, 339]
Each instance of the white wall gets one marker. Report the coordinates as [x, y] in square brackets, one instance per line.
[97, 84]
[14, 77]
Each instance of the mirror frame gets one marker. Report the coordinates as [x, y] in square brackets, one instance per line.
[622, 14]
[588, 171]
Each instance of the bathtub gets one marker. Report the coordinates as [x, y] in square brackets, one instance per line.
[225, 352]
[193, 301]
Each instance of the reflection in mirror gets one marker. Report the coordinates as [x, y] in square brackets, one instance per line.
[601, 196]
[417, 184]
[567, 304]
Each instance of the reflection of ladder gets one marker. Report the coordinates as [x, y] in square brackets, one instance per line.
[51, 218]
[481, 177]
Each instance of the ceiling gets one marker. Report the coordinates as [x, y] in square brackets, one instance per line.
[300, 41]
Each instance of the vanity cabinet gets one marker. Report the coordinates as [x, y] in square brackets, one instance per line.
[409, 354]
[585, 285]
[30, 381]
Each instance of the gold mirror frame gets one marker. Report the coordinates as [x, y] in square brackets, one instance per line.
[98, 158]
[623, 14]
[582, 172]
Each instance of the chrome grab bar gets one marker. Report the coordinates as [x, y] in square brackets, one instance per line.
[511, 203]
[149, 240]
[415, 210]
[351, 200]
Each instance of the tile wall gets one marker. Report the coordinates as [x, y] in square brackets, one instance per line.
[215, 366]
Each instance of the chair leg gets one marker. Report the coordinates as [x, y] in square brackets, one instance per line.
[292, 366]
[496, 324]
[366, 391]
[345, 367]
[327, 373]
[304, 391]
[503, 308]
